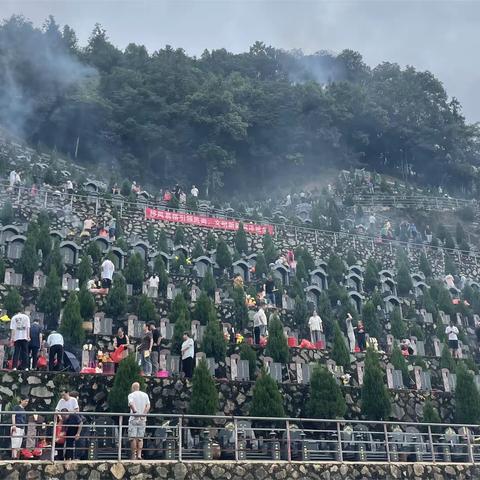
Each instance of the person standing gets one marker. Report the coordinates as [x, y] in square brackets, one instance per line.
[145, 351]
[259, 323]
[108, 268]
[188, 352]
[194, 191]
[270, 290]
[67, 402]
[361, 339]
[316, 327]
[350, 333]
[36, 339]
[72, 424]
[55, 351]
[139, 405]
[19, 424]
[153, 283]
[155, 356]
[452, 332]
[20, 336]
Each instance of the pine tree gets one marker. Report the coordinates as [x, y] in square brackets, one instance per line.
[211, 241]
[277, 345]
[375, 396]
[460, 236]
[300, 313]
[240, 309]
[84, 270]
[307, 259]
[161, 271]
[223, 257]
[146, 310]
[94, 252]
[340, 353]
[150, 234]
[326, 314]
[336, 268]
[54, 260]
[2, 270]
[301, 272]
[50, 299]
[249, 354]
[209, 285]
[179, 237]
[204, 399]
[269, 250]
[467, 398]
[398, 327]
[446, 359]
[128, 372]
[370, 320]
[87, 303]
[404, 281]
[72, 322]
[197, 250]
[182, 324]
[135, 271]
[241, 242]
[430, 415]
[162, 243]
[267, 400]
[6, 213]
[204, 309]
[44, 240]
[450, 267]
[213, 343]
[261, 267]
[179, 305]
[116, 301]
[326, 399]
[399, 363]
[424, 265]
[29, 260]
[351, 258]
[13, 302]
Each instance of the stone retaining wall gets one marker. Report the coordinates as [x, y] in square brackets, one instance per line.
[234, 471]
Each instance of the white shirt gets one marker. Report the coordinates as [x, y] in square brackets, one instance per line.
[20, 326]
[260, 318]
[138, 401]
[107, 269]
[372, 219]
[452, 332]
[69, 185]
[194, 192]
[188, 348]
[153, 282]
[55, 339]
[71, 405]
[315, 323]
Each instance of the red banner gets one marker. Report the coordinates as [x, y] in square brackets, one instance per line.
[206, 222]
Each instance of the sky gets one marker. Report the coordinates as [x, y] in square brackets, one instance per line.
[436, 35]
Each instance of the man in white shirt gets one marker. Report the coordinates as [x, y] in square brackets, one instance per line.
[452, 332]
[194, 191]
[316, 327]
[55, 351]
[20, 336]
[107, 273]
[153, 283]
[259, 324]
[139, 404]
[67, 403]
[188, 352]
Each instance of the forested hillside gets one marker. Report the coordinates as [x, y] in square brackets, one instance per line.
[227, 121]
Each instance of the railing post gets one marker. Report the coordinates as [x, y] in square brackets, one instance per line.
[54, 438]
[430, 441]
[120, 438]
[45, 200]
[96, 206]
[340, 450]
[387, 446]
[289, 449]
[469, 446]
[180, 439]
[235, 432]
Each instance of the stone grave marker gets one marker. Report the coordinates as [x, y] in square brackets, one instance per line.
[218, 298]
[135, 327]
[360, 372]
[170, 291]
[102, 326]
[13, 279]
[437, 346]
[162, 359]
[129, 289]
[39, 279]
[194, 293]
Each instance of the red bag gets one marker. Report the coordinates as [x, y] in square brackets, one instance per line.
[41, 362]
[117, 355]
[307, 344]
[292, 342]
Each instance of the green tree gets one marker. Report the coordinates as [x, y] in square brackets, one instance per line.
[277, 345]
[450, 266]
[424, 265]
[446, 359]
[399, 363]
[13, 302]
[29, 260]
[430, 414]
[135, 271]
[326, 314]
[267, 400]
[50, 300]
[179, 306]
[240, 309]
[300, 313]
[375, 396]
[161, 271]
[398, 327]
[224, 259]
[340, 353]
[326, 398]
[467, 398]
[404, 281]
[269, 250]
[2, 270]
[84, 270]
[261, 267]
[150, 234]
[241, 242]
[209, 285]
[146, 310]
[128, 373]
[211, 241]
[162, 244]
[72, 323]
[87, 303]
[301, 272]
[460, 235]
[197, 250]
[94, 252]
[204, 309]
[6, 213]
[179, 237]
[370, 320]
[54, 259]
[181, 325]
[249, 354]
[351, 258]
[204, 399]
[213, 343]
[336, 268]
[116, 301]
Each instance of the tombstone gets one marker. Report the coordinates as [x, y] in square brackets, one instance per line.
[218, 299]
[360, 372]
[390, 369]
[274, 369]
[304, 372]
[135, 327]
[170, 291]
[2, 355]
[390, 343]
[197, 331]
[102, 325]
[420, 344]
[39, 279]
[69, 283]
[12, 278]
[173, 364]
[437, 347]
[444, 317]
[422, 379]
[210, 362]
[162, 359]
[427, 316]
[449, 380]
[194, 293]
[239, 369]
[85, 358]
[129, 289]
[460, 350]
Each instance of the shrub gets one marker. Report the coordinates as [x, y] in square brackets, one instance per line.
[204, 399]
[116, 301]
[424, 265]
[209, 285]
[370, 320]
[50, 299]
[340, 352]
[204, 309]
[179, 237]
[54, 260]
[223, 257]
[146, 310]
[197, 250]
[94, 252]
[399, 363]
[13, 302]
[249, 354]
[326, 314]
[84, 270]
[87, 304]
[326, 398]
[336, 268]
[267, 400]
[72, 322]
[404, 281]
[446, 359]
[398, 327]
[300, 313]
[430, 415]
[467, 398]
[6, 213]
[128, 372]
[29, 260]
[240, 309]
[375, 396]
[261, 267]
[182, 324]
[277, 345]
[160, 270]
[135, 271]
[213, 343]
[162, 244]
[269, 250]
[241, 242]
[211, 241]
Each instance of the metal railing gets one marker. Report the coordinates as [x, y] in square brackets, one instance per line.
[55, 437]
